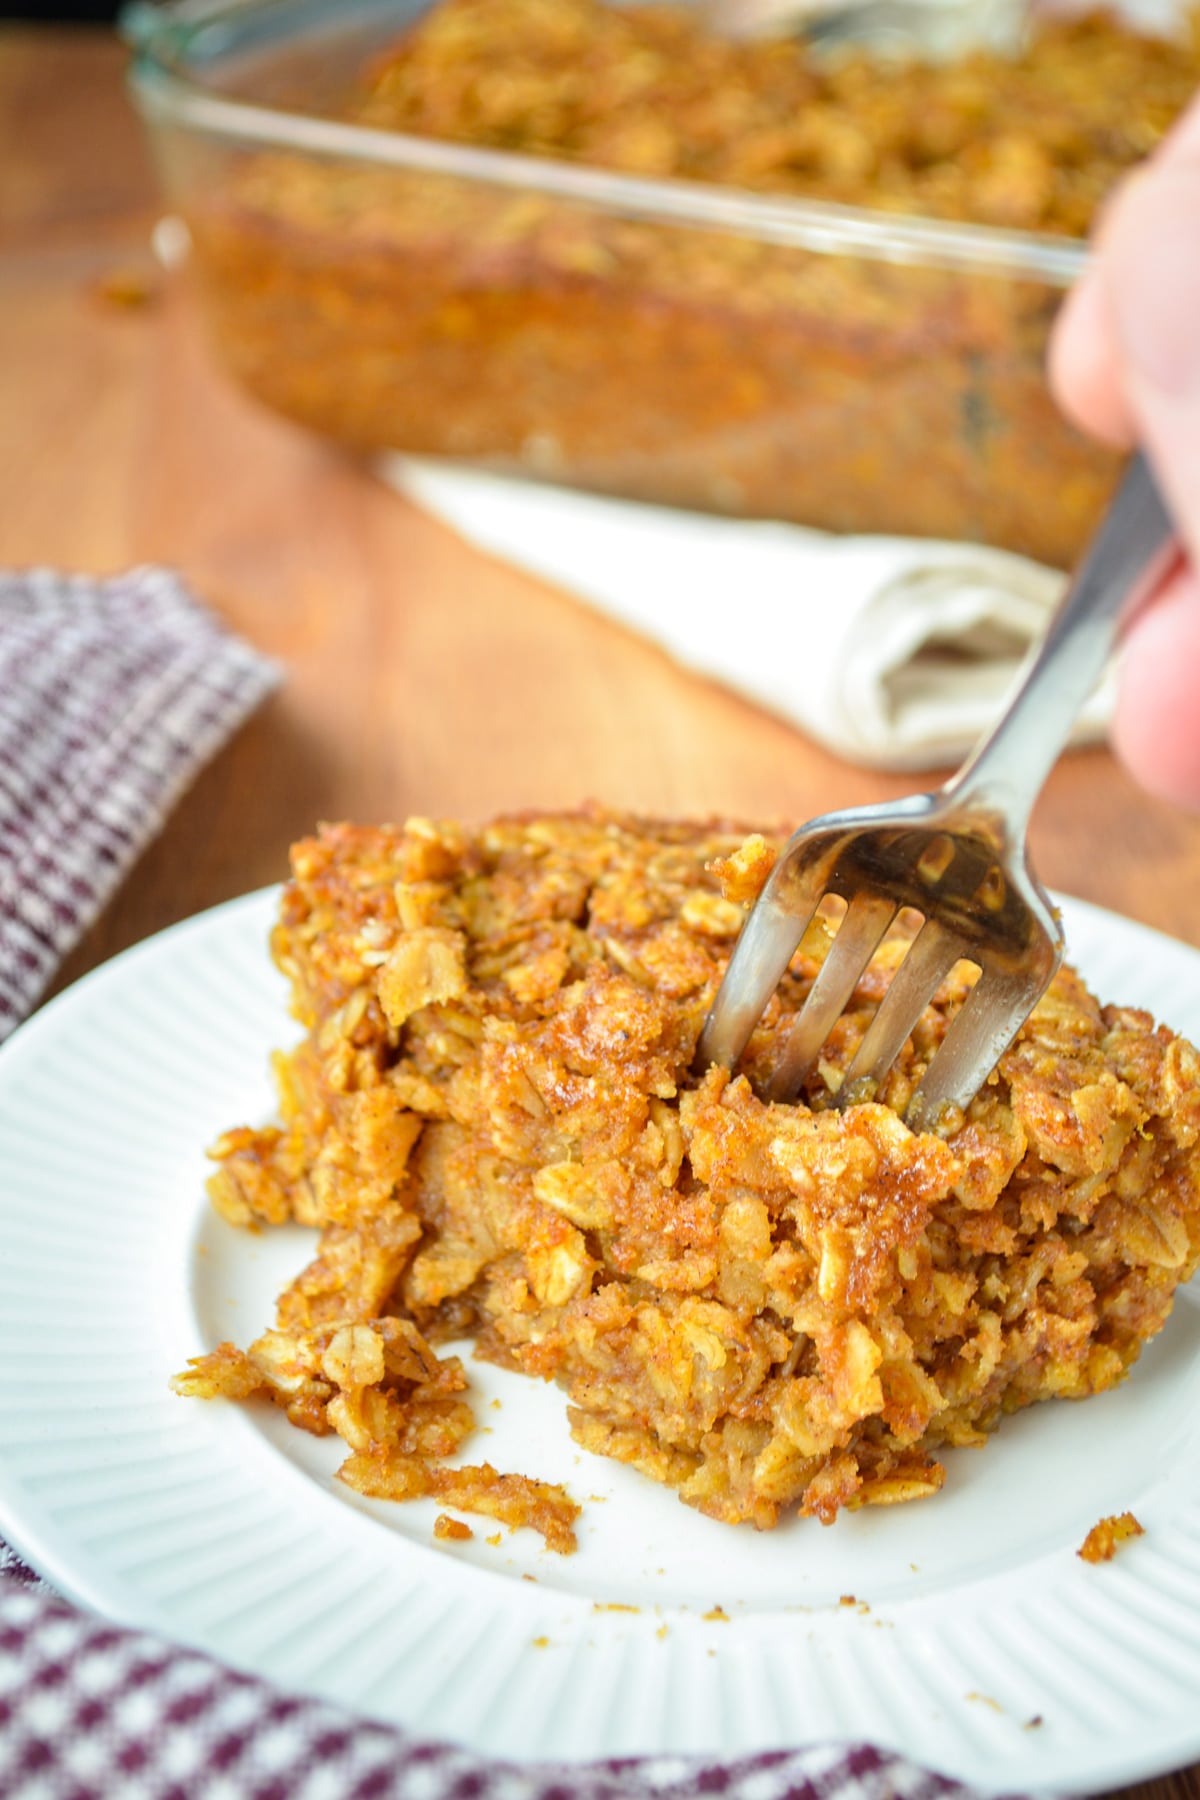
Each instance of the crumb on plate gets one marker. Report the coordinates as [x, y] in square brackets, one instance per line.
[1107, 1535]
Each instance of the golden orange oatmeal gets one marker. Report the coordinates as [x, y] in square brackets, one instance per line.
[855, 385]
[494, 1123]
[1032, 140]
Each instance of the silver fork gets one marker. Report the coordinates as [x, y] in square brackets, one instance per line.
[940, 28]
[957, 857]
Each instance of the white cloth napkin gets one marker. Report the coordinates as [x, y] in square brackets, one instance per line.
[892, 652]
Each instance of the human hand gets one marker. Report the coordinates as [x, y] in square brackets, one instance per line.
[1125, 365]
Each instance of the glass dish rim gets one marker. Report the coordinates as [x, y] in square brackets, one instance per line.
[162, 34]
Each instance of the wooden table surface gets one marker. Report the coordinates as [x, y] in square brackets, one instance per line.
[420, 677]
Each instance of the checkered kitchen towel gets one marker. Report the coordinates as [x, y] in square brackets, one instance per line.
[112, 695]
[92, 1712]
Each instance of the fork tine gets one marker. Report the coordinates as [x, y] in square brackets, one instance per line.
[979, 1034]
[769, 940]
[867, 918]
[933, 954]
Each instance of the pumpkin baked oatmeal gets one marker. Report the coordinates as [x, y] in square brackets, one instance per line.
[439, 286]
[494, 1122]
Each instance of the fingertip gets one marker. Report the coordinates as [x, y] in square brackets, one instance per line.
[1156, 728]
[1082, 365]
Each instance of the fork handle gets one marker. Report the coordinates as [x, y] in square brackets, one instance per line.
[1130, 552]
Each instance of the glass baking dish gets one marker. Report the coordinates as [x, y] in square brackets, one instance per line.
[658, 339]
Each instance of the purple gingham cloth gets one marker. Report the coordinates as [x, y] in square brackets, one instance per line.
[112, 696]
[90, 1711]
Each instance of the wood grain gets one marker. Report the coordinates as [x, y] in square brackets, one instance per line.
[420, 677]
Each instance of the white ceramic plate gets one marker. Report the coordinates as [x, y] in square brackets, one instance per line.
[978, 1641]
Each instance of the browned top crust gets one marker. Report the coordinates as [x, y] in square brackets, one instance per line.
[494, 1121]
[1031, 141]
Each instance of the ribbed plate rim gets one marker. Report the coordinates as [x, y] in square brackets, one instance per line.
[1132, 1623]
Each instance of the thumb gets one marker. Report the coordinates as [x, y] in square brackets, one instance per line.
[1151, 276]
[1155, 729]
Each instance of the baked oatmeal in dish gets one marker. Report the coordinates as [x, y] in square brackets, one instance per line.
[494, 1123]
[711, 341]
[1033, 140]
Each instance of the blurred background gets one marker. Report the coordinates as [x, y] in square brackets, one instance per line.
[61, 12]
